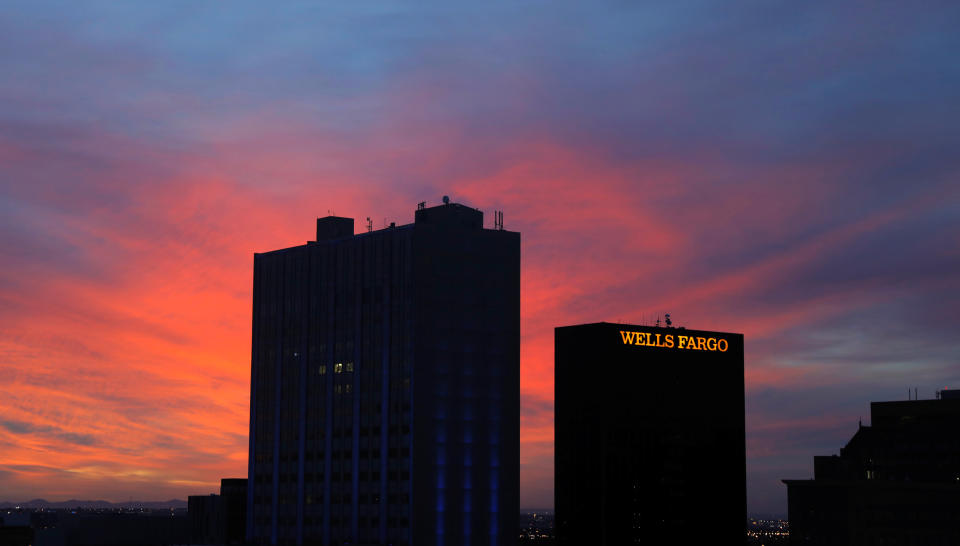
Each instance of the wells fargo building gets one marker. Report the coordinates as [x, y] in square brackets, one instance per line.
[650, 445]
[385, 399]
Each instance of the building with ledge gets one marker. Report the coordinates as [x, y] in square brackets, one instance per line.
[385, 389]
[896, 482]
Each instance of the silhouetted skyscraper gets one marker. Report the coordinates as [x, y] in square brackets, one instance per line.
[219, 519]
[896, 482]
[649, 436]
[385, 398]
[233, 504]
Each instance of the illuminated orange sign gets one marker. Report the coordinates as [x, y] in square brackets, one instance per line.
[680, 341]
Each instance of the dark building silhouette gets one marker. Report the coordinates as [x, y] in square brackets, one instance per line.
[19, 535]
[649, 426]
[219, 519]
[897, 481]
[233, 506]
[203, 512]
[109, 528]
[385, 399]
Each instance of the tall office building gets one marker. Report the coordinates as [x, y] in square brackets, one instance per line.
[385, 389]
[897, 481]
[649, 437]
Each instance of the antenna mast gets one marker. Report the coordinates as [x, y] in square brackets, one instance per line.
[498, 220]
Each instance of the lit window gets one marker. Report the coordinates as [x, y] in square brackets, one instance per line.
[323, 370]
[349, 366]
[338, 367]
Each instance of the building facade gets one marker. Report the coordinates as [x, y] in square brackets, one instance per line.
[896, 482]
[385, 388]
[649, 436]
[219, 519]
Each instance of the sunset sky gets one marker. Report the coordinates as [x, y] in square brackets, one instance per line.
[790, 171]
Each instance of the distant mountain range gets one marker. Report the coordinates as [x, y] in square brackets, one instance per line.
[41, 503]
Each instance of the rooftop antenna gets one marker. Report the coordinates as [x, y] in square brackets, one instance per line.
[421, 205]
[369, 225]
[446, 199]
[498, 220]
[658, 321]
[667, 320]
